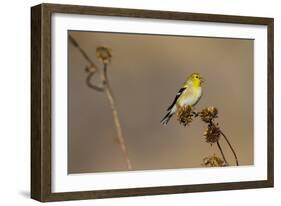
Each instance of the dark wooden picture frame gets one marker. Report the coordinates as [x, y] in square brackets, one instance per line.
[41, 102]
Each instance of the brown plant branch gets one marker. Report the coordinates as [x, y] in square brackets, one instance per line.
[229, 144]
[82, 51]
[89, 83]
[222, 154]
[104, 88]
[233, 151]
[116, 118]
[185, 116]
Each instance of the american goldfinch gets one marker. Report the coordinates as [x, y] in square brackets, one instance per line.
[189, 94]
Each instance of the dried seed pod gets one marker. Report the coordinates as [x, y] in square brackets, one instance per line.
[212, 133]
[213, 161]
[184, 114]
[208, 114]
[104, 54]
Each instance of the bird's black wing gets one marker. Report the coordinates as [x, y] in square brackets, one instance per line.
[176, 98]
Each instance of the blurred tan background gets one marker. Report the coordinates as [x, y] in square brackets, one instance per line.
[145, 74]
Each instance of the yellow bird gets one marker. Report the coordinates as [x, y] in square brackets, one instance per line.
[189, 94]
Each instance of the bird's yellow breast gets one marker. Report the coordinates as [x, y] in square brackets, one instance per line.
[196, 82]
[190, 96]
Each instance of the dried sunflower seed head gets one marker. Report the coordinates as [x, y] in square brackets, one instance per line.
[208, 114]
[213, 161]
[212, 134]
[104, 54]
[184, 114]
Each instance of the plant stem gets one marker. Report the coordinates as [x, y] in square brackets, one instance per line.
[84, 54]
[89, 83]
[222, 154]
[116, 118]
[107, 89]
[228, 142]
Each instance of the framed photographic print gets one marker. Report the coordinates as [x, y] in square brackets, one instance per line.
[132, 102]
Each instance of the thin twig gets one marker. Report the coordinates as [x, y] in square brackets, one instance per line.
[85, 55]
[95, 87]
[233, 151]
[107, 89]
[218, 144]
[116, 118]
[222, 154]
[229, 144]
[82, 51]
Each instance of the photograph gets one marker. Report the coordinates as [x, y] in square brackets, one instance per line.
[153, 102]
[132, 102]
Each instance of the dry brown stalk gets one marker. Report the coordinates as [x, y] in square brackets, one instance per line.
[120, 137]
[185, 116]
[104, 55]
[233, 151]
[222, 154]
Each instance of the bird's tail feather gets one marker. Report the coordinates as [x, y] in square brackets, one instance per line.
[167, 117]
